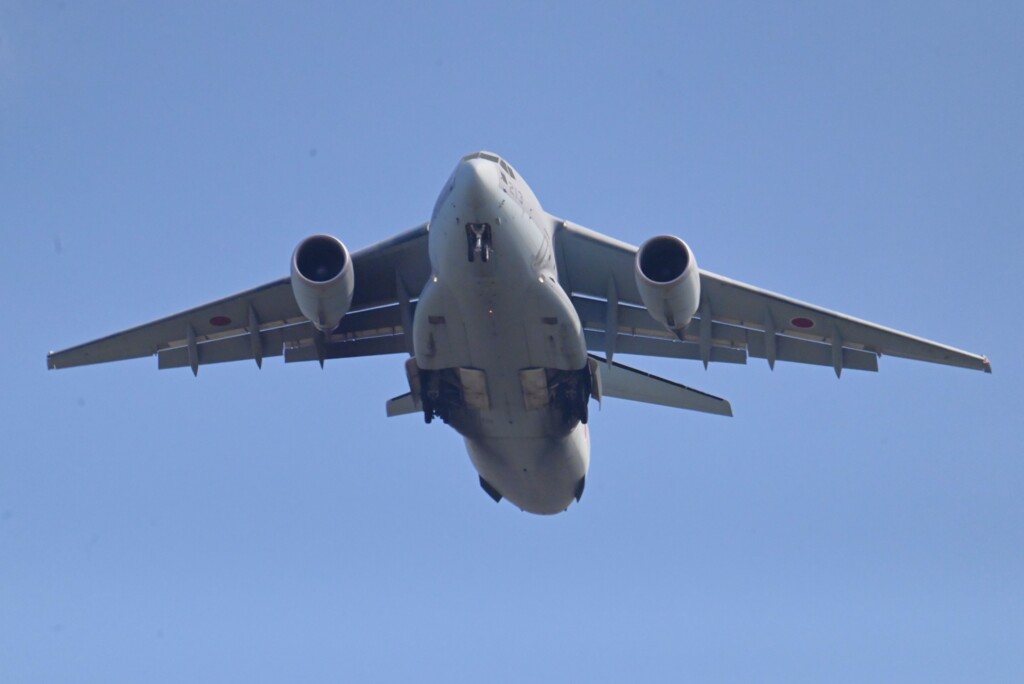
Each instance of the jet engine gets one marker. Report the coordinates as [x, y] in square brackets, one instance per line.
[668, 280]
[322, 280]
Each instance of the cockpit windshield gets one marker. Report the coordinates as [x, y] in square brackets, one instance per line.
[506, 167]
[483, 155]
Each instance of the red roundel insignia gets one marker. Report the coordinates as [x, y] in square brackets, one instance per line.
[220, 321]
[802, 322]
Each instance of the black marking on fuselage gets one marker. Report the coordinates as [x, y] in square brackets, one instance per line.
[579, 488]
[491, 491]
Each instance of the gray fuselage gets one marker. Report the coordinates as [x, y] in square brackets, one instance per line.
[500, 339]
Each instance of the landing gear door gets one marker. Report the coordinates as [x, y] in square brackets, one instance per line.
[474, 388]
[412, 374]
[595, 378]
[534, 382]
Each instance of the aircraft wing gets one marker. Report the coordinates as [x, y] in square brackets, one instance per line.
[266, 321]
[734, 321]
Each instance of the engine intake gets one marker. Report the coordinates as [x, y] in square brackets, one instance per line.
[322, 280]
[668, 280]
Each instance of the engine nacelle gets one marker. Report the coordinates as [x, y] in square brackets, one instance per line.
[322, 280]
[669, 281]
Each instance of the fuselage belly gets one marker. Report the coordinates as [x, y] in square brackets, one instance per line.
[498, 342]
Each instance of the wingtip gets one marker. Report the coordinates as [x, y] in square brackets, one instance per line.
[50, 365]
[987, 364]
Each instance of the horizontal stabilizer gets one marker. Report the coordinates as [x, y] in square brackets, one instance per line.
[624, 382]
[402, 405]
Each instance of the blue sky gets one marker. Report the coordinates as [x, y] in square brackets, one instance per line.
[273, 525]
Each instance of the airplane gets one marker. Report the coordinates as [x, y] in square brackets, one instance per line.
[511, 319]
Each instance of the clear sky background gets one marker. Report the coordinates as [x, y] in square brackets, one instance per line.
[267, 526]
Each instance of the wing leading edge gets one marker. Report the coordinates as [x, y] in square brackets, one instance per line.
[734, 321]
[266, 321]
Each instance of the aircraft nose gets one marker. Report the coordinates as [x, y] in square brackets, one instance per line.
[476, 180]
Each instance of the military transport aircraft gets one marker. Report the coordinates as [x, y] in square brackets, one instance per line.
[500, 306]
